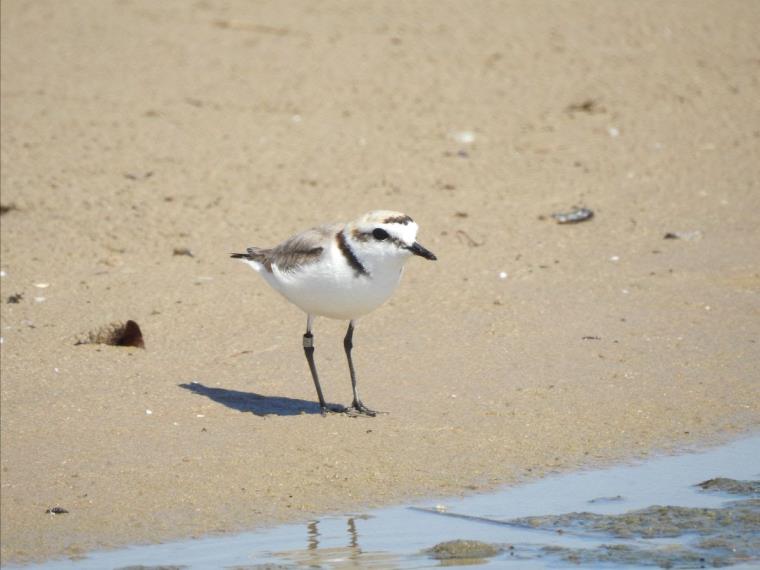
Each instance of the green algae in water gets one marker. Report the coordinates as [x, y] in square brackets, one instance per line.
[463, 550]
[727, 535]
[731, 486]
[671, 556]
[656, 522]
[708, 537]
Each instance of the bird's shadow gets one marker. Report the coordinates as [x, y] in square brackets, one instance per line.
[255, 403]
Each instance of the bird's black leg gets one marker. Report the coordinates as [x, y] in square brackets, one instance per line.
[356, 407]
[308, 348]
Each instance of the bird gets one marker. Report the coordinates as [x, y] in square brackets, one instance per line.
[340, 271]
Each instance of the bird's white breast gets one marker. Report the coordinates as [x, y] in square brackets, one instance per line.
[330, 287]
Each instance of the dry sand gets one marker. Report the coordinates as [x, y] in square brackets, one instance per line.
[131, 128]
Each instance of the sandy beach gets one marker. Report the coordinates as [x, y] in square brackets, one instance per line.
[142, 142]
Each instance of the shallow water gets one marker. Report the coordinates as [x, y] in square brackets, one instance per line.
[400, 537]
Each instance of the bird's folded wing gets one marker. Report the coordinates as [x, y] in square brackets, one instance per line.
[302, 249]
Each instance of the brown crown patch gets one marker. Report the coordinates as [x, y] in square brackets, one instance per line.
[404, 220]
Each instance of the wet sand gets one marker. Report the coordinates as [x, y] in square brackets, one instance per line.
[131, 129]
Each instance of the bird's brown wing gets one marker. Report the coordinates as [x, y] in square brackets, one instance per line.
[295, 252]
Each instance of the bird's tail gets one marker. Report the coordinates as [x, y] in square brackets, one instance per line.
[256, 257]
[251, 254]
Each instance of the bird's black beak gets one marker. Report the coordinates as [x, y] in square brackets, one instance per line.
[417, 249]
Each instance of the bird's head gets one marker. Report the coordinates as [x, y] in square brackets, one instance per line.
[382, 234]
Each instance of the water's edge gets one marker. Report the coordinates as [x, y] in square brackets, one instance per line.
[398, 537]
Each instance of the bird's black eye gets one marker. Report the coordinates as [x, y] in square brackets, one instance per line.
[379, 234]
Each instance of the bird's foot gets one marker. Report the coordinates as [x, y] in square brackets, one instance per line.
[358, 409]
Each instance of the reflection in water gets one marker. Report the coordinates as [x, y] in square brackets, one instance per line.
[312, 543]
[337, 548]
[352, 532]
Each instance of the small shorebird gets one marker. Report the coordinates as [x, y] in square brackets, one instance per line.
[340, 271]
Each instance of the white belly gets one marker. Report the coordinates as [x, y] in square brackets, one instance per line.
[334, 290]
